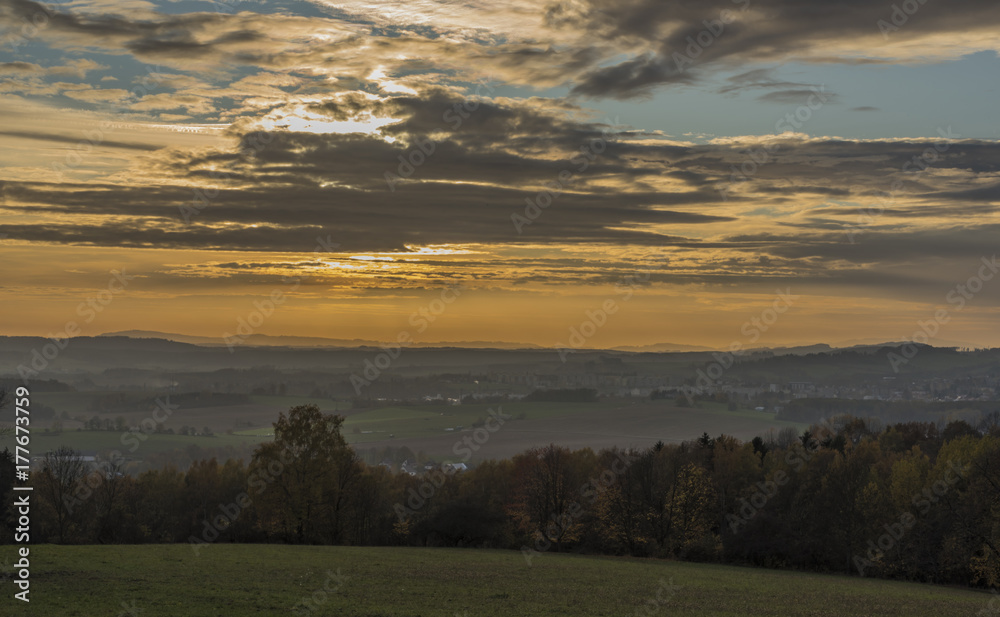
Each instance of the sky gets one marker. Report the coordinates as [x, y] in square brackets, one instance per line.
[587, 173]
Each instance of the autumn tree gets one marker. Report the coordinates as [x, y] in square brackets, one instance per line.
[964, 493]
[301, 482]
[735, 467]
[631, 508]
[155, 505]
[693, 511]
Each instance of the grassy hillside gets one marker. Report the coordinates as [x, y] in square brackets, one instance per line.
[240, 580]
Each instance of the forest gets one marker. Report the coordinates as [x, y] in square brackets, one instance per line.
[915, 501]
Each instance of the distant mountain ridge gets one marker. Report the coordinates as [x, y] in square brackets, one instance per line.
[661, 347]
[267, 340]
[150, 360]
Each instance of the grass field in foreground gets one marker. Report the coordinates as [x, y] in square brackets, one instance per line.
[238, 580]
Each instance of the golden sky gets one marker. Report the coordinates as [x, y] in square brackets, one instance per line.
[679, 164]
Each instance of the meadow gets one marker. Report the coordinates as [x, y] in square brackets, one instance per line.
[430, 428]
[231, 580]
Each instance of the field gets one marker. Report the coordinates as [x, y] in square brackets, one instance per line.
[106, 441]
[225, 421]
[434, 429]
[238, 580]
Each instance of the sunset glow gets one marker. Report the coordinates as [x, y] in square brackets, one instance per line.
[381, 153]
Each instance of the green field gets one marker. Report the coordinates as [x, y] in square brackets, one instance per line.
[238, 580]
[107, 441]
[259, 411]
[82, 404]
[420, 421]
[432, 429]
[424, 420]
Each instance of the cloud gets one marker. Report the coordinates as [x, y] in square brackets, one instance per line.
[72, 139]
[598, 48]
[73, 68]
[796, 97]
[757, 79]
[98, 95]
[478, 176]
[20, 68]
[77, 68]
[364, 120]
[671, 42]
[641, 193]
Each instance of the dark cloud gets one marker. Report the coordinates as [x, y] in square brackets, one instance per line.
[75, 140]
[989, 193]
[759, 79]
[968, 243]
[468, 188]
[951, 210]
[600, 48]
[795, 97]
[631, 79]
[684, 36]
[18, 67]
[464, 184]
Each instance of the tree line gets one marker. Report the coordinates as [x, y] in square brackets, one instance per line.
[917, 501]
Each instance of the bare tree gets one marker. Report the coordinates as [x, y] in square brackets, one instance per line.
[4, 402]
[62, 472]
[108, 498]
